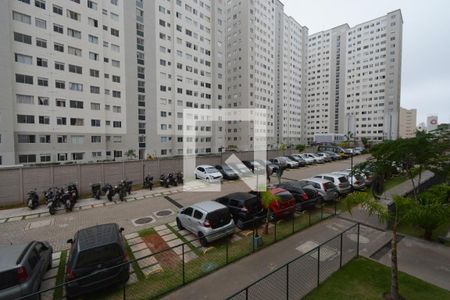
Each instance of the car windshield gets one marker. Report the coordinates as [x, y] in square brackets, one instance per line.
[98, 255]
[211, 170]
[282, 159]
[342, 179]
[329, 185]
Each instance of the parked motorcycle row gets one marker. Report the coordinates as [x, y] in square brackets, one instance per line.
[54, 197]
[171, 179]
[122, 189]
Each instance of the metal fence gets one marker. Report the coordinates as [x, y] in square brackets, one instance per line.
[300, 276]
[160, 272]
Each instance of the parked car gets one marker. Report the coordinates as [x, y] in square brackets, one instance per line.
[366, 173]
[22, 268]
[316, 158]
[340, 181]
[208, 220]
[348, 151]
[333, 155]
[356, 180]
[241, 169]
[301, 162]
[244, 207]
[208, 173]
[358, 150]
[305, 195]
[254, 166]
[325, 156]
[227, 172]
[281, 162]
[272, 167]
[97, 252]
[283, 208]
[307, 159]
[326, 188]
[291, 163]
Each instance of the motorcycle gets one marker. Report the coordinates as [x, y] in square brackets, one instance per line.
[122, 189]
[164, 181]
[52, 197]
[72, 188]
[179, 177]
[128, 185]
[109, 191]
[148, 182]
[96, 190]
[68, 198]
[172, 180]
[33, 200]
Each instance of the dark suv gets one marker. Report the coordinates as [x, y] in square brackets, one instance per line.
[99, 252]
[244, 207]
[22, 268]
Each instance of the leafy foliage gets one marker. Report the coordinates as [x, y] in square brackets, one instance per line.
[300, 147]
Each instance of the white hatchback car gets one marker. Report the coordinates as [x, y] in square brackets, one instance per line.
[208, 173]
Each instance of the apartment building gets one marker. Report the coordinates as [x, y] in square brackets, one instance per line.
[291, 40]
[373, 78]
[407, 123]
[325, 82]
[63, 81]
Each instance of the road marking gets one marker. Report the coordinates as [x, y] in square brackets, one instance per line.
[171, 200]
[39, 224]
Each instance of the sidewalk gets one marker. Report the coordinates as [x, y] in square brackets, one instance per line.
[228, 280]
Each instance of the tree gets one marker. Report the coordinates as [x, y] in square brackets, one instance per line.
[300, 147]
[365, 142]
[131, 153]
[432, 210]
[282, 147]
[402, 208]
[266, 200]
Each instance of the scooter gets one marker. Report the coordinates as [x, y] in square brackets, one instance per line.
[122, 189]
[52, 196]
[96, 190]
[69, 199]
[33, 200]
[128, 185]
[164, 181]
[172, 180]
[109, 191]
[179, 177]
[74, 190]
[148, 182]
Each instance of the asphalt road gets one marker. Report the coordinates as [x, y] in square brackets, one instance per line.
[59, 228]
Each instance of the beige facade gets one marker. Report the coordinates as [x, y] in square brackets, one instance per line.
[407, 123]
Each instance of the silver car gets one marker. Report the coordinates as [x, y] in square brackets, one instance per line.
[22, 268]
[326, 188]
[339, 180]
[208, 220]
[317, 158]
[357, 180]
[306, 158]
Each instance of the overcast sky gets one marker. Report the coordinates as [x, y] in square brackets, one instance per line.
[426, 43]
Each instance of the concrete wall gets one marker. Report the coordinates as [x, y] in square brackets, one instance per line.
[16, 182]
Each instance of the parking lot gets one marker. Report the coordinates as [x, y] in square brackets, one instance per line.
[62, 226]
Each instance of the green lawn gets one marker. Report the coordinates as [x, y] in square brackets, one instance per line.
[365, 279]
[418, 232]
[394, 181]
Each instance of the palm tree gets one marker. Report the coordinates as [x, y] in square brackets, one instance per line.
[266, 199]
[401, 212]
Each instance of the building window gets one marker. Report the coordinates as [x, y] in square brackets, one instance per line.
[58, 28]
[25, 119]
[24, 99]
[43, 101]
[95, 106]
[57, 10]
[40, 23]
[21, 17]
[59, 84]
[26, 139]
[45, 157]
[22, 38]
[93, 56]
[62, 156]
[41, 43]
[94, 73]
[59, 66]
[20, 78]
[76, 122]
[95, 139]
[44, 139]
[75, 69]
[77, 139]
[42, 81]
[27, 158]
[76, 104]
[74, 51]
[59, 47]
[60, 103]
[39, 3]
[117, 153]
[92, 39]
[95, 89]
[76, 86]
[73, 15]
[24, 59]
[95, 123]
[77, 156]
[45, 120]
[41, 62]
[114, 32]
[92, 4]
[117, 124]
[74, 33]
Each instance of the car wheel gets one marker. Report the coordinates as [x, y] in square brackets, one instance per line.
[49, 263]
[196, 176]
[179, 225]
[202, 239]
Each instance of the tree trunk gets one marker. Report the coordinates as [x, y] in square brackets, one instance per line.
[428, 234]
[394, 267]
[266, 227]
[413, 184]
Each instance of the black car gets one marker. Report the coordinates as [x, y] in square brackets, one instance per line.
[244, 207]
[227, 172]
[306, 196]
[98, 251]
[22, 268]
[301, 161]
